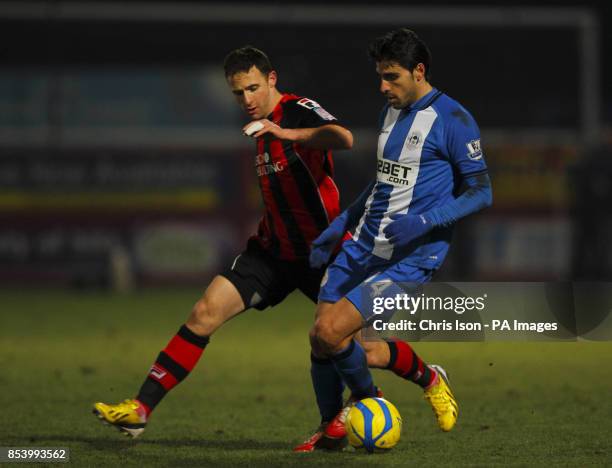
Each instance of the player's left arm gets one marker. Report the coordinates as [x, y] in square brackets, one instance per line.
[476, 196]
[329, 136]
[465, 154]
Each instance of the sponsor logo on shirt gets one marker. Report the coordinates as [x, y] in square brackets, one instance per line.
[264, 166]
[262, 159]
[395, 173]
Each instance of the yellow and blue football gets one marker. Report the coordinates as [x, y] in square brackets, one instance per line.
[373, 423]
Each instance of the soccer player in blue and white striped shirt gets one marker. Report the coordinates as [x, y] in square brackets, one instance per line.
[431, 172]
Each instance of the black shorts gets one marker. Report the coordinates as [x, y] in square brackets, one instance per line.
[263, 280]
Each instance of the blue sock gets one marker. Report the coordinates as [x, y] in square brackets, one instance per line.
[328, 387]
[352, 365]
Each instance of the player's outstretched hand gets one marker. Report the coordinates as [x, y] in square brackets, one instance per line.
[324, 245]
[404, 228]
[262, 127]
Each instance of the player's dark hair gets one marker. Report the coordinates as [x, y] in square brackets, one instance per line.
[402, 46]
[241, 60]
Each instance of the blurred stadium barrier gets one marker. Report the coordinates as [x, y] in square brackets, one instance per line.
[117, 132]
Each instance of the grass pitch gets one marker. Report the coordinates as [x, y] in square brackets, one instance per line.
[250, 398]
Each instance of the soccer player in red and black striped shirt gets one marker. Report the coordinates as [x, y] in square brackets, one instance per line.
[294, 166]
[295, 170]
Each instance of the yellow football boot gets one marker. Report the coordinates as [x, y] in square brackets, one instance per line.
[129, 416]
[442, 400]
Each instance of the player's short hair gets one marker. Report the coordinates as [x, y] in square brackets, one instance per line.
[242, 59]
[402, 46]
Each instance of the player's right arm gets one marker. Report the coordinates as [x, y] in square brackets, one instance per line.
[325, 137]
[307, 124]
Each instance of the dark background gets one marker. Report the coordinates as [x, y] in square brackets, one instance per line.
[122, 162]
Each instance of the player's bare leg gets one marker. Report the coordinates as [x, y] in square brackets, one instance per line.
[377, 351]
[220, 302]
[334, 328]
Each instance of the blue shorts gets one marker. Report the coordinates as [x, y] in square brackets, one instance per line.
[360, 276]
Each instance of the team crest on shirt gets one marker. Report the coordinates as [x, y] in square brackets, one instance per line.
[314, 106]
[415, 139]
[474, 150]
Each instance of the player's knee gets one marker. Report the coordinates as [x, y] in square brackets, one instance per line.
[204, 318]
[326, 340]
[317, 348]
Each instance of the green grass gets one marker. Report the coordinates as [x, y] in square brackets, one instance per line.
[250, 398]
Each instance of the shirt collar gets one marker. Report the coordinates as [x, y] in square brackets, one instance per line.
[423, 102]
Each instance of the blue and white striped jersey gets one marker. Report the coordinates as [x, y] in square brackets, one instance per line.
[424, 151]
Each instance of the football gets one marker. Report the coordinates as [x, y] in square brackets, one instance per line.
[373, 423]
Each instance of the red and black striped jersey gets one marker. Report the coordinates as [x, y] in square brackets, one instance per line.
[297, 186]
